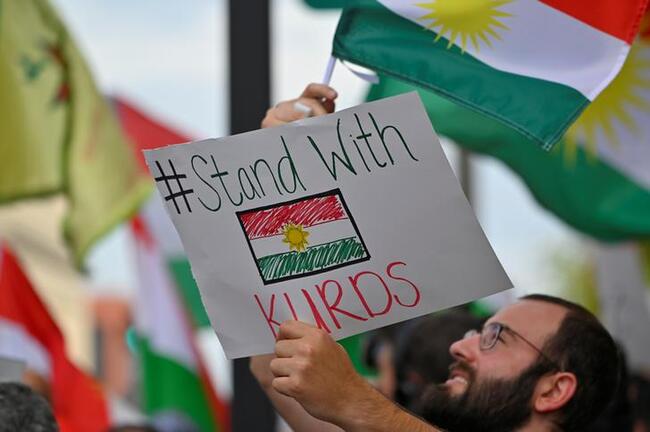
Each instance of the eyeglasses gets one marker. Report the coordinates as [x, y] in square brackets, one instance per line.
[491, 333]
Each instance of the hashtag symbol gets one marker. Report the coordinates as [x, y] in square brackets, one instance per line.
[170, 194]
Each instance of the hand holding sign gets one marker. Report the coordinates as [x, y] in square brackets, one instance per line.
[316, 371]
[348, 221]
[317, 98]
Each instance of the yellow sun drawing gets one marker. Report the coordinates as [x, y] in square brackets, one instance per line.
[465, 20]
[612, 107]
[295, 236]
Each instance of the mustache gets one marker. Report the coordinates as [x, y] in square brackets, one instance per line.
[462, 366]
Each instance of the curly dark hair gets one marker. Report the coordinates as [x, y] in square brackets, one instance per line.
[584, 347]
[22, 409]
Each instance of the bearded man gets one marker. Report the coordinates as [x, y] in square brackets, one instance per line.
[541, 364]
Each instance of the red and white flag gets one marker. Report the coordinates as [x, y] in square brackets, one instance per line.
[28, 332]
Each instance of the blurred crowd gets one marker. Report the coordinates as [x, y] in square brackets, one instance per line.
[403, 359]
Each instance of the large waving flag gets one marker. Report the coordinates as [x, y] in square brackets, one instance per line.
[597, 179]
[175, 381]
[534, 65]
[58, 134]
[28, 332]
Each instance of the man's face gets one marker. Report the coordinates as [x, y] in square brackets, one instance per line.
[493, 389]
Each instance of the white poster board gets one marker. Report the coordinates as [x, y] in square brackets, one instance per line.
[349, 221]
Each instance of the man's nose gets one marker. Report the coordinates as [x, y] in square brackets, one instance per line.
[465, 349]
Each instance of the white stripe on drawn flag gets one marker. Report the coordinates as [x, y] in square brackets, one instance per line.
[302, 237]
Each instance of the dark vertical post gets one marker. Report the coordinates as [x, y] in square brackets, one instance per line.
[250, 88]
[250, 65]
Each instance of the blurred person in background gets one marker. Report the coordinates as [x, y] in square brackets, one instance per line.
[410, 355]
[22, 409]
[639, 391]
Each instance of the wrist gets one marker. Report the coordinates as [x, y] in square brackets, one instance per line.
[363, 409]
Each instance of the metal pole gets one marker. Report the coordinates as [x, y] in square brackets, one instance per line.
[250, 88]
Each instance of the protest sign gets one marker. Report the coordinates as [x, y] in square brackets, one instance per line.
[349, 221]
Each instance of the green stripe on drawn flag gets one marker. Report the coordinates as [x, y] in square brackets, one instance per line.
[313, 258]
[302, 237]
[533, 65]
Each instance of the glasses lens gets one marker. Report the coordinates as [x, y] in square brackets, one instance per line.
[489, 336]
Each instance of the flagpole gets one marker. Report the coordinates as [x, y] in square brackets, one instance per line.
[329, 70]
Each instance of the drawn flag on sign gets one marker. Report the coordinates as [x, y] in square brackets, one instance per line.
[302, 237]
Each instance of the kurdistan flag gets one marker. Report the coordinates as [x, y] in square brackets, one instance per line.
[161, 393]
[57, 133]
[302, 237]
[174, 380]
[534, 65]
[148, 133]
[597, 178]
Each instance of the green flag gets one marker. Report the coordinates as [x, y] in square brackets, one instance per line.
[596, 179]
[58, 133]
[533, 65]
[326, 4]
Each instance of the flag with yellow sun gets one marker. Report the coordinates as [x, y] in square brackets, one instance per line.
[597, 178]
[533, 65]
[302, 237]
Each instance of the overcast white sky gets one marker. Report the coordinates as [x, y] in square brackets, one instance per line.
[169, 57]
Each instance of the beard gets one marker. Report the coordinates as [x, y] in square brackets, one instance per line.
[491, 405]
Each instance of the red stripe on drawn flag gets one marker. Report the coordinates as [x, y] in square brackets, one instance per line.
[77, 400]
[310, 212]
[618, 18]
[302, 237]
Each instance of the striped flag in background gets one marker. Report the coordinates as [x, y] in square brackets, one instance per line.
[302, 237]
[596, 179]
[29, 333]
[533, 65]
[174, 378]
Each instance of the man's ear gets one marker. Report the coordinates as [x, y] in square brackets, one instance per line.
[554, 391]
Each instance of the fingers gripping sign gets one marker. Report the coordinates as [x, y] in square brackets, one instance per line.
[315, 100]
[315, 370]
